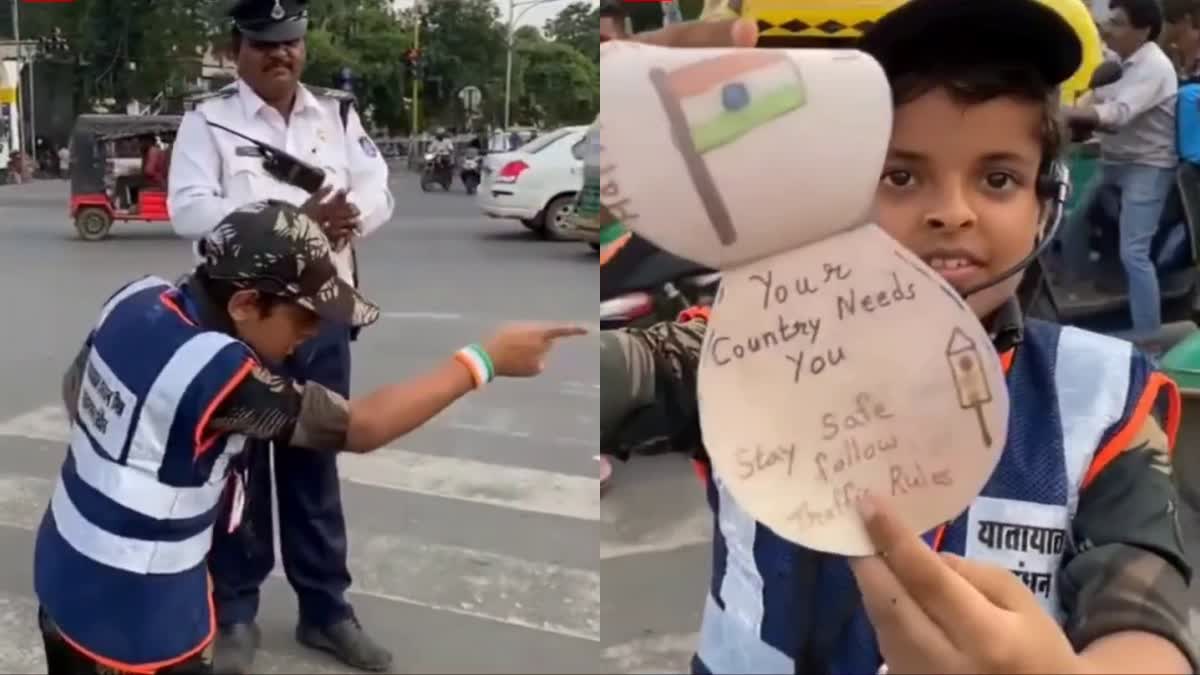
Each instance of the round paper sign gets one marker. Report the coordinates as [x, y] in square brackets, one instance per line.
[845, 368]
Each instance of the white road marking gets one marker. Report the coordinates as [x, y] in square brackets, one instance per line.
[488, 586]
[431, 316]
[468, 480]
[695, 530]
[654, 654]
[580, 389]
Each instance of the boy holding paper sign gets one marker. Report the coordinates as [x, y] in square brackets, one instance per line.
[969, 185]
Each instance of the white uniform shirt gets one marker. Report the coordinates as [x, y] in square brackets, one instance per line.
[214, 172]
[1137, 112]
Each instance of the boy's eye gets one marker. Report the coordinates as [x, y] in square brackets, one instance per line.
[999, 180]
[898, 178]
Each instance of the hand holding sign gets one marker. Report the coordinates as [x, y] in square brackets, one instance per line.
[945, 614]
[836, 363]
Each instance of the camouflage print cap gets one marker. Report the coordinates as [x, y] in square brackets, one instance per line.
[272, 247]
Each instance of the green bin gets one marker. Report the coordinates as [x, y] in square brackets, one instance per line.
[1083, 160]
[1182, 364]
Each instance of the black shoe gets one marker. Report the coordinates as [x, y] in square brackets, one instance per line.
[347, 641]
[233, 653]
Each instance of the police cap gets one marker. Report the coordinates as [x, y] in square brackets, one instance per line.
[271, 20]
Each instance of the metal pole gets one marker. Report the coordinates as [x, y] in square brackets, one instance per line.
[32, 107]
[530, 4]
[416, 85]
[508, 67]
[19, 113]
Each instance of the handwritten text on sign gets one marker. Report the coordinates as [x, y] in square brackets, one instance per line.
[795, 311]
[843, 369]
[850, 440]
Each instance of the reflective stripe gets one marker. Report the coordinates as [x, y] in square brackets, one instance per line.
[138, 489]
[730, 639]
[742, 586]
[132, 555]
[1091, 377]
[131, 289]
[728, 645]
[162, 401]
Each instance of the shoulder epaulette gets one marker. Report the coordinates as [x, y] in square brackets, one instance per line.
[224, 92]
[336, 94]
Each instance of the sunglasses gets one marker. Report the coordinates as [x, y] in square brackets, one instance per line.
[262, 46]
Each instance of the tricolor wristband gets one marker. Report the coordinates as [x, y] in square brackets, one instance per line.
[478, 362]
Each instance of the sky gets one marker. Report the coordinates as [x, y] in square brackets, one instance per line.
[536, 16]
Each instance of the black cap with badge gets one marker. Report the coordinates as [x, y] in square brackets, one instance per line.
[271, 247]
[270, 20]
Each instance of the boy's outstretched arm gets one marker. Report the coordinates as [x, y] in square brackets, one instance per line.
[1125, 589]
[648, 387]
[267, 406]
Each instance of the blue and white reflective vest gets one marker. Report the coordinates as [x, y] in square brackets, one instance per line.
[772, 604]
[119, 563]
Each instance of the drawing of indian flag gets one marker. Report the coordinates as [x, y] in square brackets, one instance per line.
[713, 102]
[724, 98]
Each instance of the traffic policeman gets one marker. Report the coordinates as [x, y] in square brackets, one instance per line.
[213, 172]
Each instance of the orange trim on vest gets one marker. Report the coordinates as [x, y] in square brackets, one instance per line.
[1006, 359]
[607, 252]
[696, 311]
[152, 668]
[174, 307]
[1120, 441]
[940, 536]
[203, 443]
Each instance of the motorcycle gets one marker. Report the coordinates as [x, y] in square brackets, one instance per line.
[643, 284]
[439, 170]
[469, 174]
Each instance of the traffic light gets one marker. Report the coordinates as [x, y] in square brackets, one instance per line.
[416, 64]
[54, 43]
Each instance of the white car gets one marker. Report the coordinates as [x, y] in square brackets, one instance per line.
[537, 183]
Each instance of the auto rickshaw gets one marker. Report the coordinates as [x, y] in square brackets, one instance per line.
[98, 143]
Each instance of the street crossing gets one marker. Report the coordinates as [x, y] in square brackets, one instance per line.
[457, 569]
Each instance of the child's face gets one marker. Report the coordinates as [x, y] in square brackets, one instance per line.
[959, 189]
[275, 333]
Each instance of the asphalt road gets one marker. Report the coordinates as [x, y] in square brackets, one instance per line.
[473, 540]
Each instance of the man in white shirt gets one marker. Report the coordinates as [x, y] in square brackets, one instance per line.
[213, 172]
[1136, 119]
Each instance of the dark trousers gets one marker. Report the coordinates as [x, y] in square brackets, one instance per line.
[312, 529]
[63, 659]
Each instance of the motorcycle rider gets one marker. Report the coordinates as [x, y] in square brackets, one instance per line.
[964, 91]
[441, 146]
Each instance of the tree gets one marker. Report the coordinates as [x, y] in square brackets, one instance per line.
[576, 26]
[559, 85]
[125, 49]
[364, 36]
[462, 44]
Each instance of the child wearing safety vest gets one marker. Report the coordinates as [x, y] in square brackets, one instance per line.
[170, 388]
[970, 184]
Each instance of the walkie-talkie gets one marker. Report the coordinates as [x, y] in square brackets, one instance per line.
[282, 166]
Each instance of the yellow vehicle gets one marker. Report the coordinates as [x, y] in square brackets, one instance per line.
[836, 23]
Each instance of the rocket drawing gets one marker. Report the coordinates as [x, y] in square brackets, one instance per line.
[966, 368]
